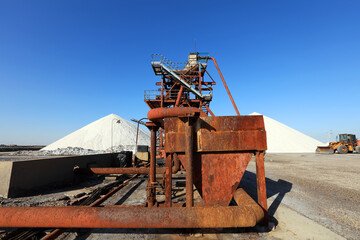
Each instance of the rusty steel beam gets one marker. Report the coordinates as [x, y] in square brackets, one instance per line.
[207, 108]
[226, 87]
[261, 182]
[168, 180]
[179, 96]
[189, 152]
[131, 217]
[152, 173]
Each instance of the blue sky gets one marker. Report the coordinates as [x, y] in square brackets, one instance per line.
[64, 64]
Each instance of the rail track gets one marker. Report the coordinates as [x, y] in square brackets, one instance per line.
[97, 197]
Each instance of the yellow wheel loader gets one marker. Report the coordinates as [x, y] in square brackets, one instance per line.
[347, 143]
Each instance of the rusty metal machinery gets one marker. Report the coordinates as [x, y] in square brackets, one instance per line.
[213, 150]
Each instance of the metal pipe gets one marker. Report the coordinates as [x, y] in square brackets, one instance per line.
[152, 175]
[189, 163]
[226, 87]
[160, 113]
[127, 217]
[136, 140]
[168, 180]
[243, 199]
[115, 170]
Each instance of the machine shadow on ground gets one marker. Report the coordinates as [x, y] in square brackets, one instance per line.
[279, 188]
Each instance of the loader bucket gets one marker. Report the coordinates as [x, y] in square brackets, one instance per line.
[324, 149]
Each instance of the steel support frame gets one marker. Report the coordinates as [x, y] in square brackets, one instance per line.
[261, 182]
[151, 198]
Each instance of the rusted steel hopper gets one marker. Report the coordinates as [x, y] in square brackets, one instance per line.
[223, 147]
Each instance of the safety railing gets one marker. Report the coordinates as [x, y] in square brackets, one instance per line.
[156, 94]
[151, 94]
[165, 61]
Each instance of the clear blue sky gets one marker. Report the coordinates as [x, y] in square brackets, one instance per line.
[64, 64]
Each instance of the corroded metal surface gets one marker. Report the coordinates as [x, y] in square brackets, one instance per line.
[160, 113]
[260, 180]
[216, 176]
[243, 199]
[218, 134]
[128, 217]
[223, 147]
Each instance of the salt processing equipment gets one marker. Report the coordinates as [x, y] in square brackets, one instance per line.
[213, 150]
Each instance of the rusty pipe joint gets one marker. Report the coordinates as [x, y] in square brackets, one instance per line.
[157, 114]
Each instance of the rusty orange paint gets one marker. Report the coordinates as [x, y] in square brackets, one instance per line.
[222, 150]
[128, 217]
[160, 113]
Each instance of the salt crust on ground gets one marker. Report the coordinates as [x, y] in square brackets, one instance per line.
[69, 151]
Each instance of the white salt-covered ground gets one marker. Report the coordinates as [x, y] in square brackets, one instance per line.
[284, 139]
[101, 135]
[73, 151]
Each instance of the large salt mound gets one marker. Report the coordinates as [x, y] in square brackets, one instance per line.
[284, 139]
[102, 134]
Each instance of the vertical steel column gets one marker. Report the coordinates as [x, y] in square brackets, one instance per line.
[189, 163]
[260, 182]
[162, 92]
[161, 131]
[168, 180]
[152, 175]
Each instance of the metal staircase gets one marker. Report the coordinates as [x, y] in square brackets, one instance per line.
[162, 65]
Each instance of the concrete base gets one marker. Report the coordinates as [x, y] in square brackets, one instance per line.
[19, 178]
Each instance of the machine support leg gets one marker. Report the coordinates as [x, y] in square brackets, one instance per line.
[189, 163]
[168, 180]
[260, 181]
[152, 175]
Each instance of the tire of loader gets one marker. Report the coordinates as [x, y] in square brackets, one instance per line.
[342, 149]
[357, 149]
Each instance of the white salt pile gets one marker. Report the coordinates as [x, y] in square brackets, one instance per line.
[102, 135]
[284, 139]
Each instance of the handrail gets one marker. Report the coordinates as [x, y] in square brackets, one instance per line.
[162, 59]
